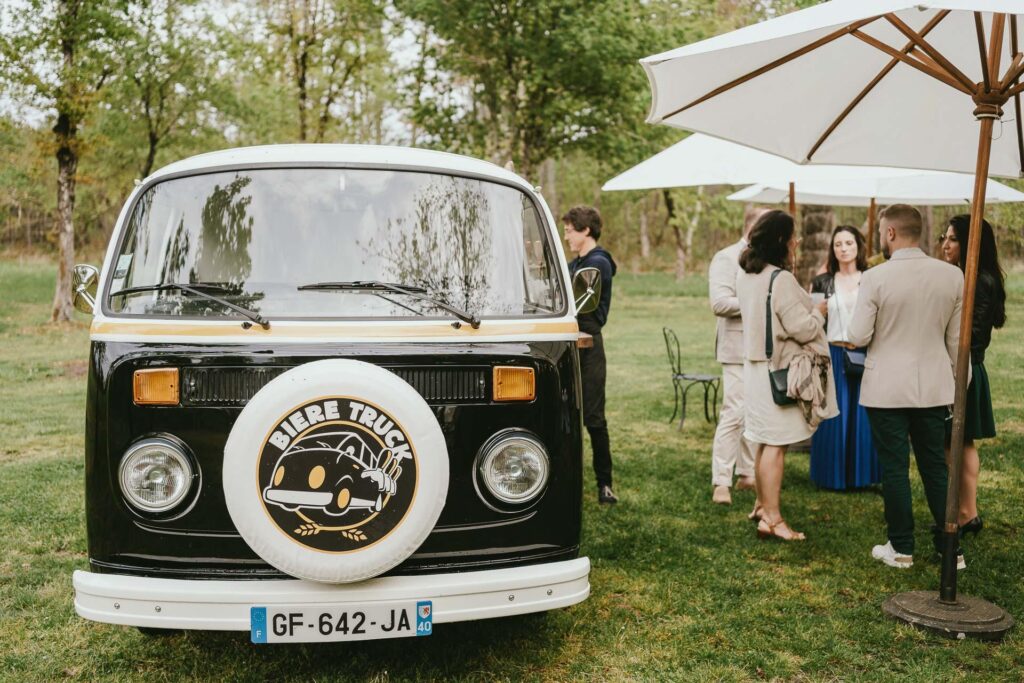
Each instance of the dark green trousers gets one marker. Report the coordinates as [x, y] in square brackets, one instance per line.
[894, 430]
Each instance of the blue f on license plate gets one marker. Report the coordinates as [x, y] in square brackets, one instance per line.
[322, 623]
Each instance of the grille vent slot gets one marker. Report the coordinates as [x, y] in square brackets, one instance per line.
[219, 386]
[223, 386]
[446, 384]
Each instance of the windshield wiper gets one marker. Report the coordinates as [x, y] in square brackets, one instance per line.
[196, 289]
[409, 290]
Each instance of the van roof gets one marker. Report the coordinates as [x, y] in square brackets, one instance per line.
[376, 155]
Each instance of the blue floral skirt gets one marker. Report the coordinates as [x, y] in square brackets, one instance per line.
[842, 453]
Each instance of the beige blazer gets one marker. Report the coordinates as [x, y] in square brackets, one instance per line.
[796, 324]
[724, 304]
[908, 317]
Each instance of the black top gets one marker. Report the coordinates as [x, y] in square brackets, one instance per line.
[985, 295]
[591, 323]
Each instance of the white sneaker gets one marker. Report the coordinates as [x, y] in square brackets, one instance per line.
[887, 554]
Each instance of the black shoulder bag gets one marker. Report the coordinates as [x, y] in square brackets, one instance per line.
[779, 379]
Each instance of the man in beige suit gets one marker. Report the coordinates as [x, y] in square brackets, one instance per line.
[730, 450]
[908, 317]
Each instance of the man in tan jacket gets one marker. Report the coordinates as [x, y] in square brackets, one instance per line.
[730, 450]
[908, 317]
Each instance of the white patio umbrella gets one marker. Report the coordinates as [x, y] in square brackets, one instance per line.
[926, 188]
[704, 160]
[890, 82]
[921, 189]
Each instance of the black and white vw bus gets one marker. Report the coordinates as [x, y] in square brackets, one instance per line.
[333, 394]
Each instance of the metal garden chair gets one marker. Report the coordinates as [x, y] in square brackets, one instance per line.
[683, 381]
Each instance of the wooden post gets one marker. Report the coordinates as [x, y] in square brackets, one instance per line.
[792, 200]
[947, 585]
[871, 227]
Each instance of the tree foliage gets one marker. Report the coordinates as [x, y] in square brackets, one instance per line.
[168, 76]
[61, 54]
[526, 81]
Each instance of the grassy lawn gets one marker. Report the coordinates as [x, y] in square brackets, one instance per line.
[682, 590]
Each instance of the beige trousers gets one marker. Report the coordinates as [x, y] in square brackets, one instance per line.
[730, 450]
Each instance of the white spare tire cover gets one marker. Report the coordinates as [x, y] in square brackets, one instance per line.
[335, 471]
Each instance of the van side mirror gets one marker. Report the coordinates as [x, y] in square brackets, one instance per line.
[586, 289]
[84, 280]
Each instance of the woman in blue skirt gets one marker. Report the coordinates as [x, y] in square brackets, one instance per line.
[842, 453]
[989, 313]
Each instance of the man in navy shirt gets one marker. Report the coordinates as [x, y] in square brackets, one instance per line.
[582, 230]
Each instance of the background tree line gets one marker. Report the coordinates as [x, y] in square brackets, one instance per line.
[95, 94]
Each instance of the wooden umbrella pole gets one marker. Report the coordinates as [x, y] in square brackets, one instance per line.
[792, 200]
[871, 227]
[947, 586]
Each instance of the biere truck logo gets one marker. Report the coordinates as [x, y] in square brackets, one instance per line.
[337, 474]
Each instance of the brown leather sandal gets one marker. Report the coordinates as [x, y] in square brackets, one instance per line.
[766, 530]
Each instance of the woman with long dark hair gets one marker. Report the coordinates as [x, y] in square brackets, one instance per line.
[781, 329]
[989, 313]
[842, 453]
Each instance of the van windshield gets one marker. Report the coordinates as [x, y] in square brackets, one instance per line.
[256, 237]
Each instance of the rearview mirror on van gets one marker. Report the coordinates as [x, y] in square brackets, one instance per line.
[586, 289]
[84, 280]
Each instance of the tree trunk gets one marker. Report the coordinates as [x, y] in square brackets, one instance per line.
[817, 231]
[27, 225]
[67, 166]
[645, 236]
[670, 206]
[154, 141]
[549, 187]
[926, 233]
[694, 220]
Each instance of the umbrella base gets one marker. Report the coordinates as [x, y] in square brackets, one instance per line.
[967, 618]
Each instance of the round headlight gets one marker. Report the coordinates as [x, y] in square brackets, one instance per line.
[514, 468]
[155, 475]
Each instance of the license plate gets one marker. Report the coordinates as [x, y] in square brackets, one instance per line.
[318, 624]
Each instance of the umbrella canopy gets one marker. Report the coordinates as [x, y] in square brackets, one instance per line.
[922, 189]
[704, 160]
[865, 82]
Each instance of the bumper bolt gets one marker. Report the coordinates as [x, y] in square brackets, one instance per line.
[157, 608]
[511, 598]
[117, 605]
[550, 591]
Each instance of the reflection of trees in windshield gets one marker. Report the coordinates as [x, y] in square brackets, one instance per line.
[443, 246]
[223, 253]
[220, 255]
[259, 234]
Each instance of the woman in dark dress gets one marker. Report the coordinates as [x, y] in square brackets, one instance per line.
[989, 313]
[843, 455]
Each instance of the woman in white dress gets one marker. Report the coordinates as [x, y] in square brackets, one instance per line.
[795, 326]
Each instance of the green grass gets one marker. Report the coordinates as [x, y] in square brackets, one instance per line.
[682, 590]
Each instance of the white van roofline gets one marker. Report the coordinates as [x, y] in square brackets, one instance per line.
[376, 155]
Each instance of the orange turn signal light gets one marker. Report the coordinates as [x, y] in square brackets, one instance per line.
[514, 384]
[155, 387]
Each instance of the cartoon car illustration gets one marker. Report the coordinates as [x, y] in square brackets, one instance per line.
[333, 471]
